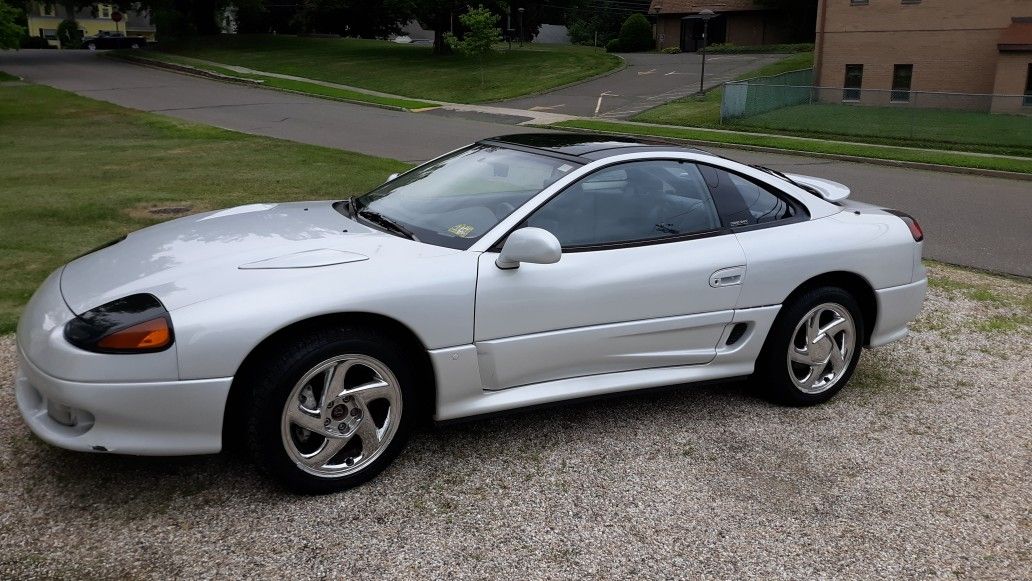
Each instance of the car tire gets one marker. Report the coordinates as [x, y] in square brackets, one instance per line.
[134, 45]
[91, 46]
[368, 426]
[812, 349]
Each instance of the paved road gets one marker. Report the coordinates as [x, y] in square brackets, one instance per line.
[649, 80]
[371, 130]
[969, 220]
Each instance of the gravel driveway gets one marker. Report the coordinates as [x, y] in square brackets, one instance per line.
[921, 468]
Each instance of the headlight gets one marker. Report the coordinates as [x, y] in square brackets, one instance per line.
[135, 324]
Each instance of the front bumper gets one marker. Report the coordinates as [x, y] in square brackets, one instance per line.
[164, 418]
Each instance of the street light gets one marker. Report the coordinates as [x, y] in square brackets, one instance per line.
[520, 9]
[705, 15]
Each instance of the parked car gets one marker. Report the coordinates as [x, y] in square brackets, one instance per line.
[110, 40]
[518, 271]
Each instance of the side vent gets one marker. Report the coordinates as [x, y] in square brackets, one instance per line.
[736, 333]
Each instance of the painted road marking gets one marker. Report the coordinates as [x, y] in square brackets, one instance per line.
[674, 73]
[649, 72]
[598, 105]
[546, 108]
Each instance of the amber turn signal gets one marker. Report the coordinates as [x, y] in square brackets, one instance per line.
[148, 335]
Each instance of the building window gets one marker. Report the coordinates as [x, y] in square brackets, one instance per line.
[858, 2]
[48, 10]
[105, 10]
[911, 1]
[901, 76]
[854, 80]
[1028, 87]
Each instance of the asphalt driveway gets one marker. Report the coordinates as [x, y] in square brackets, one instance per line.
[650, 79]
[969, 220]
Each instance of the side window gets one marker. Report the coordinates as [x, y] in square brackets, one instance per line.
[635, 201]
[743, 202]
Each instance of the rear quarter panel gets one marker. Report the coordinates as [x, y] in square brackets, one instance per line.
[872, 244]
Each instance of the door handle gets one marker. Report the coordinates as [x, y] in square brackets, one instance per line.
[727, 276]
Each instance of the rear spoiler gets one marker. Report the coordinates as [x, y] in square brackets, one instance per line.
[827, 189]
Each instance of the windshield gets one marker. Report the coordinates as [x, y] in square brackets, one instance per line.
[455, 200]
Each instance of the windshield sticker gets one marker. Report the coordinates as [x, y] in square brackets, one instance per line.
[461, 230]
[564, 168]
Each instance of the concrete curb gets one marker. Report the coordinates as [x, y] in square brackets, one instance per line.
[197, 72]
[992, 173]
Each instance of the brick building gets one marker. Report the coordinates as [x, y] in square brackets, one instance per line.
[904, 46]
[739, 22]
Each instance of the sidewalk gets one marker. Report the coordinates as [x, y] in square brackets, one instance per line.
[534, 117]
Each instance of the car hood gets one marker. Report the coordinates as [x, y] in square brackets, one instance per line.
[206, 255]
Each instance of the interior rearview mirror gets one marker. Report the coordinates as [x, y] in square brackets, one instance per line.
[532, 245]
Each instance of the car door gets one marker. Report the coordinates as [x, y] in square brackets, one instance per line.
[649, 277]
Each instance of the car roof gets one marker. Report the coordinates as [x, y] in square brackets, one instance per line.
[587, 146]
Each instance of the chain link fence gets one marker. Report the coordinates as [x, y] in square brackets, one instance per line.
[788, 104]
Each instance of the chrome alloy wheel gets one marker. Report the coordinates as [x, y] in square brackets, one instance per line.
[821, 348]
[341, 415]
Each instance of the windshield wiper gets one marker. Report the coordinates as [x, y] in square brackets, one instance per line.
[378, 218]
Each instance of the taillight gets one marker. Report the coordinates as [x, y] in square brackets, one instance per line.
[915, 228]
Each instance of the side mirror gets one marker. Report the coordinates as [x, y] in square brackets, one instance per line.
[532, 245]
[392, 176]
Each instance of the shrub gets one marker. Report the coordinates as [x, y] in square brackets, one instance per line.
[671, 50]
[613, 45]
[35, 42]
[636, 34]
[69, 34]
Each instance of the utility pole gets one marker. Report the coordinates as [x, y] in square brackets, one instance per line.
[705, 15]
[521, 25]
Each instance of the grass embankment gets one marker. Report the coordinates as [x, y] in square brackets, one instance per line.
[807, 146]
[760, 48]
[704, 110]
[900, 126]
[316, 89]
[78, 172]
[407, 70]
[7, 77]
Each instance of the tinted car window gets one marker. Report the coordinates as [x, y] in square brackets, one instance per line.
[635, 201]
[742, 201]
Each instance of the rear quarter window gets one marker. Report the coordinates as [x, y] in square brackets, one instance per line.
[742, 201]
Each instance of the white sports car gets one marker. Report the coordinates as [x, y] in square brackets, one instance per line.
[517, 271]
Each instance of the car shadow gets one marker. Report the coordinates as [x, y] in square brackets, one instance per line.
[135, 487]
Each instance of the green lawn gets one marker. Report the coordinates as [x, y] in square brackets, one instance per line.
[806, 146]
[943, 129]
[6, 77]
[931, 128]
[78, 172]
[407, 70]
[274, 82]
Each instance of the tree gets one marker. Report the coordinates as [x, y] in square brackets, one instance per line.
[361, 18]
[11, 32]
[481, 33]
[592, 22]
[635, 35]
[436, 15]
[69, 34]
